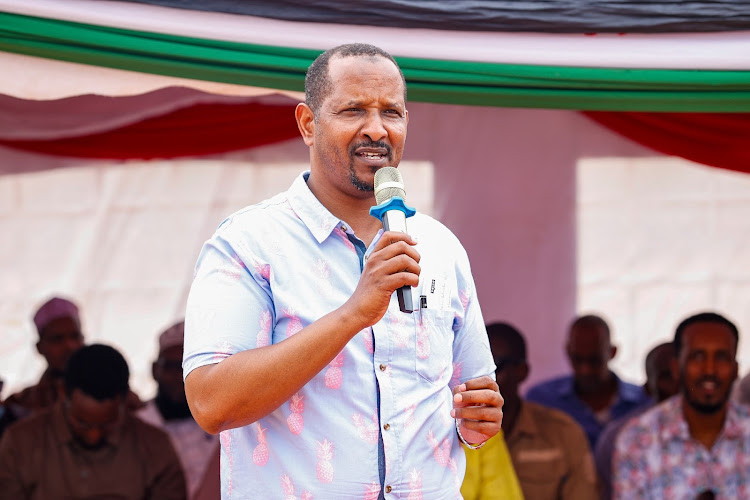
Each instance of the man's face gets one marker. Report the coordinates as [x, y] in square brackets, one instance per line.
[589, 353]
[91, 421]
[661, 380]
[58, 341]
[360, 126]
[167, 371]
[707, 366]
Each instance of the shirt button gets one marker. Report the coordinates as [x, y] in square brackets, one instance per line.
[382, 368]
[387, 426]
[343, 227]
[388, 489]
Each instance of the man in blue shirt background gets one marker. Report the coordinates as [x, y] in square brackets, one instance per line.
[593, 395]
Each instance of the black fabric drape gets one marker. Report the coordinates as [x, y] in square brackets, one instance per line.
[551, 16]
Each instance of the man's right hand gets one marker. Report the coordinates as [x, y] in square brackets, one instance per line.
[393, 263]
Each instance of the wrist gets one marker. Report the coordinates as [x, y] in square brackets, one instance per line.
[464, 441]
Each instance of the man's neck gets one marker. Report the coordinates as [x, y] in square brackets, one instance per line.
[704, 427]
[601, 399]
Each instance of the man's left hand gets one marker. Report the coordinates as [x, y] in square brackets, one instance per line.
[477, 404]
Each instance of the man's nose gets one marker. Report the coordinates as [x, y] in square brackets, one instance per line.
[374, 127]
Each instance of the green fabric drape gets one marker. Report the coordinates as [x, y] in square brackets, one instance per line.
[437, 81]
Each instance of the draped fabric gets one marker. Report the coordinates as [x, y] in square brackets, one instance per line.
[714, 139]
[614, 16]
[198, 130]
[565, 82]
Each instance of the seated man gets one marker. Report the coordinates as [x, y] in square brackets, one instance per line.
[59, 327]
[693, 445]
[548, 449]
[170, 411]
[593, 395]
[661, 384]
[87, 445]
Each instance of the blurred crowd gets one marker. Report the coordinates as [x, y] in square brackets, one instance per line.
[81, 432]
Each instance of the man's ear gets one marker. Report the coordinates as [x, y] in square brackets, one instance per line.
[39, 348]
[155, 370]
[612, 351]
[523, 372]
[305, 122]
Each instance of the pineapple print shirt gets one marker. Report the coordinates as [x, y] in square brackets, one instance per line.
[275, 267]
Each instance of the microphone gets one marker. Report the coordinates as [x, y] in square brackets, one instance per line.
[392, 211]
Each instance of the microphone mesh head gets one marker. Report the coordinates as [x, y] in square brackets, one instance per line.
[388, 183]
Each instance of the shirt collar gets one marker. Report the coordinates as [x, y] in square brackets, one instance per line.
[311, 212]
[675, 425]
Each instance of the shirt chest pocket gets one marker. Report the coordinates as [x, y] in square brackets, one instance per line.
[433, 345]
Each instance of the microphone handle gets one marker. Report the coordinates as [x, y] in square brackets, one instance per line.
[395, 220]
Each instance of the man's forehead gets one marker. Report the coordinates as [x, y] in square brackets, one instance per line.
[707, 331]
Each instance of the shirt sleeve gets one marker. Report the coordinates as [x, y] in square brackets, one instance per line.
[229, 306]
[471, 349]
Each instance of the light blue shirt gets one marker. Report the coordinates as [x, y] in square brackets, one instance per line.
[275, 267]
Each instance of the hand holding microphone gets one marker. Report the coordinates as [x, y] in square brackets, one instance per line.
[392, 211]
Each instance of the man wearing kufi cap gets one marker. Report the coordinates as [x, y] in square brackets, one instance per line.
[169, 410]
[59, 326]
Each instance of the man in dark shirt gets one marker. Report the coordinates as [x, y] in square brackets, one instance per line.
[87, 445]
[593, 395]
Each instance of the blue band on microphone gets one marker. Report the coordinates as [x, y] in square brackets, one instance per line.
[395, 203]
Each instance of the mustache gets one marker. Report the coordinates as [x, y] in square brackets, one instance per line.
[371, 144]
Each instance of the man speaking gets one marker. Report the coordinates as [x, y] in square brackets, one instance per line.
[296, 349]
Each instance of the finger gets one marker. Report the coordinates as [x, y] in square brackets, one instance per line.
[394, 249]
[390, 237]
[478, 414]
[486, 397]
[484, 382]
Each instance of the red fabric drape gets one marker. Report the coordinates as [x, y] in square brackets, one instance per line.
[202, 129]
[715, 139]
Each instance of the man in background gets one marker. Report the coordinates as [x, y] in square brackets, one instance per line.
[695, 443]
[87, 445]
[169, 411]
[593, 395]
[59, 327]
[661, 384]
[548, 449]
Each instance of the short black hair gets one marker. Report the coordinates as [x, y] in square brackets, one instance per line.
[704, 317]
[591, 321]
[99, 371]
[317, 83]
[510, 334]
